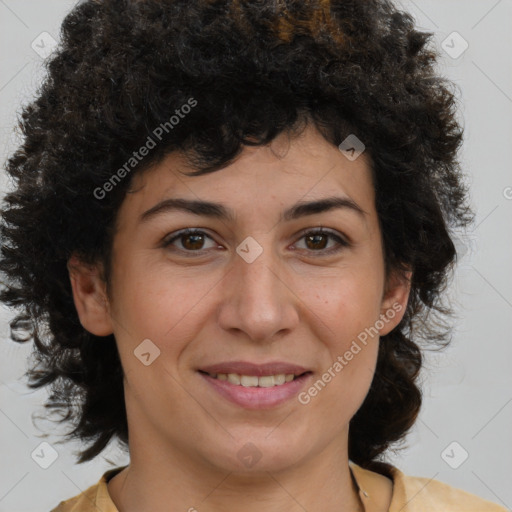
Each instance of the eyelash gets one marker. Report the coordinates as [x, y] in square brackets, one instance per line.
[342, 243]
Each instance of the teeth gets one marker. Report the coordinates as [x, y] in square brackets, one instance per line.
[248, 381]
[251, 381]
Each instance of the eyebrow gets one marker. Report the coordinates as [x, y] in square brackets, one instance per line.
[221, 212]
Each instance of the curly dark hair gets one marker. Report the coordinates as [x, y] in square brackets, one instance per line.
[256, 68]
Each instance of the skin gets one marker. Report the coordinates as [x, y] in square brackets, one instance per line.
[295, 302]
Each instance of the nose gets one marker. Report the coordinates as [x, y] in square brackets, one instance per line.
[257, 300]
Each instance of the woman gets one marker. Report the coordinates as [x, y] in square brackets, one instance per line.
[232, 219]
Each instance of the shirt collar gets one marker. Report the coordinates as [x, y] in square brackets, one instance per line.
[377, 488]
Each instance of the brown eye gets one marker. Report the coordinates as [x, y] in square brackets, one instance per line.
[190, 240]
[193, 242]
[318, 240]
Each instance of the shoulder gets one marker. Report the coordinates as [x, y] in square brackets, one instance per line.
[83, 502]
[94, 498]
[427, 494]
[420, 494]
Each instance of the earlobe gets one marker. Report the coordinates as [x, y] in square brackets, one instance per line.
[89, 296]
[395, 300]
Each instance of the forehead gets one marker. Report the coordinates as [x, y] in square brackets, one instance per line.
[305, 167]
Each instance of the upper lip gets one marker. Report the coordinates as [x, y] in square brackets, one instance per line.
[259, 370]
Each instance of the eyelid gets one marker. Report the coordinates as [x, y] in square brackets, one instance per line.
[325, 231]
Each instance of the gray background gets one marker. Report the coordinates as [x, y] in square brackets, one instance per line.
[467, 388]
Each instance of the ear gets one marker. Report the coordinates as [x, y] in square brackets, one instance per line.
[394, 300]
[90, 297]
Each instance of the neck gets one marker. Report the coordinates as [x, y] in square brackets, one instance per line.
[159, 478]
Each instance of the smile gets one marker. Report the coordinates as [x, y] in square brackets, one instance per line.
[252, 392]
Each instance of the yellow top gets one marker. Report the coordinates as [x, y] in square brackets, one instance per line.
[409, 494]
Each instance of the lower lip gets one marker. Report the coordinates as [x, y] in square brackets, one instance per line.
[256, 397]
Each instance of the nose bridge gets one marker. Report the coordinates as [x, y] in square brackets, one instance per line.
[258, 278]
[257, 301]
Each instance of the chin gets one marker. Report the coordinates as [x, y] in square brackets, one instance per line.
[252, 455]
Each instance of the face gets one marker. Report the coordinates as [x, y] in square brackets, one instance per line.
[258, 284]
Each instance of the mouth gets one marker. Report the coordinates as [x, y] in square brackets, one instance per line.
[255, 392]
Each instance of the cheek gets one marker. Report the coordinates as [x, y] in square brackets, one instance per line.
[347, 304]
[351, 349]
[164, 305]
[346, 309]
